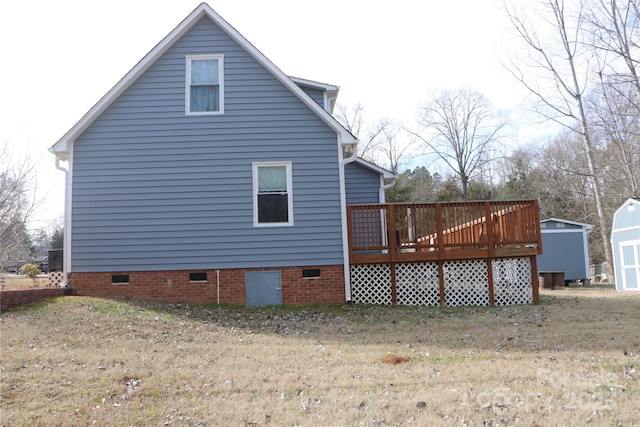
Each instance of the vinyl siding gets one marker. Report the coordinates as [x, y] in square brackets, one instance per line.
[564, 251]
[315, 94]
[625, 228]
[626, 218]
[154, 189]
[362, 185]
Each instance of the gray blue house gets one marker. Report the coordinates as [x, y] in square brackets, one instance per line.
[565, 249]
[208, 175]
[625, 245]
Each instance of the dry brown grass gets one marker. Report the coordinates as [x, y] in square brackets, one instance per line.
[572, 360]
[20, 281]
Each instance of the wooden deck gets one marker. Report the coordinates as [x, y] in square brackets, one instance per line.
[383, 233]
[466, 253]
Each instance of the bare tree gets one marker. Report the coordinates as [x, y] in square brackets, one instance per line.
[461, 128]
[17, 182]
[379, 142]
[616, 123]
[558, 57]
[391, 150]
[615, 30]
[369, 136]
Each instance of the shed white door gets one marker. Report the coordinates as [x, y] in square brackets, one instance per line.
[630, 257]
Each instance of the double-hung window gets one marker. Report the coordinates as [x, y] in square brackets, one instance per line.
[272, 197]
[205, 89]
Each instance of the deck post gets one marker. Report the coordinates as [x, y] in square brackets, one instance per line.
[534, 280]
[443, 300]
[440, 239]
[394, 292]
[391, 226]
[492, 300]
[349, 232]
[393, 248]
[490, 250]
[534, 259]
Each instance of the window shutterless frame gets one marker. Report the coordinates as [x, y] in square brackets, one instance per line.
[272, 194]
[204, 85]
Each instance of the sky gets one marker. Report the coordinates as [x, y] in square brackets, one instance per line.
[60, 57]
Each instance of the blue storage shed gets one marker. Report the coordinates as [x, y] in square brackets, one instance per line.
[625, 245]
[565, 248]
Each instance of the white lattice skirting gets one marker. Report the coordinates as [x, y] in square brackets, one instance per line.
[417, 283]
[372, 284]
[512, 281]
[465, 283]
[55, 278]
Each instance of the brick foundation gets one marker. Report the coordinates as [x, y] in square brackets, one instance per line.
[175, 286]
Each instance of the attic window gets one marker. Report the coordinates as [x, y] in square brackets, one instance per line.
[204, 91]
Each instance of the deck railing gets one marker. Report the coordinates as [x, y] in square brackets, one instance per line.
[410, 232]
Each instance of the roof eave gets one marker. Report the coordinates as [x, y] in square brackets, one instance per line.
[588, 227]
[63, 146]
[386, 174]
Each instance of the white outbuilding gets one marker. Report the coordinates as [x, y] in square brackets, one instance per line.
[625, 245]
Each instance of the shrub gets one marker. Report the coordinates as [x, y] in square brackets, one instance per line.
[31, 271]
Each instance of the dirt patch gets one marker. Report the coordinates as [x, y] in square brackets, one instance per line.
[394, 359]
[572, 360]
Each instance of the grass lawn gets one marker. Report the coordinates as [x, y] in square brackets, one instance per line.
[20, 281]
[573, 360]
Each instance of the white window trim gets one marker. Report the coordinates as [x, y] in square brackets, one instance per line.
[187, 96]
[255, 166]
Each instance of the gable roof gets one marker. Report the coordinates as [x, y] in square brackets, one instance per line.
[629, 202]
[324, 86]
[330, 91]
[63, 146]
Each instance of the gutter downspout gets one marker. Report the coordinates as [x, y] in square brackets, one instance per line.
[384, 187]
[66, 247]
[218, 285]
[343, 202]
